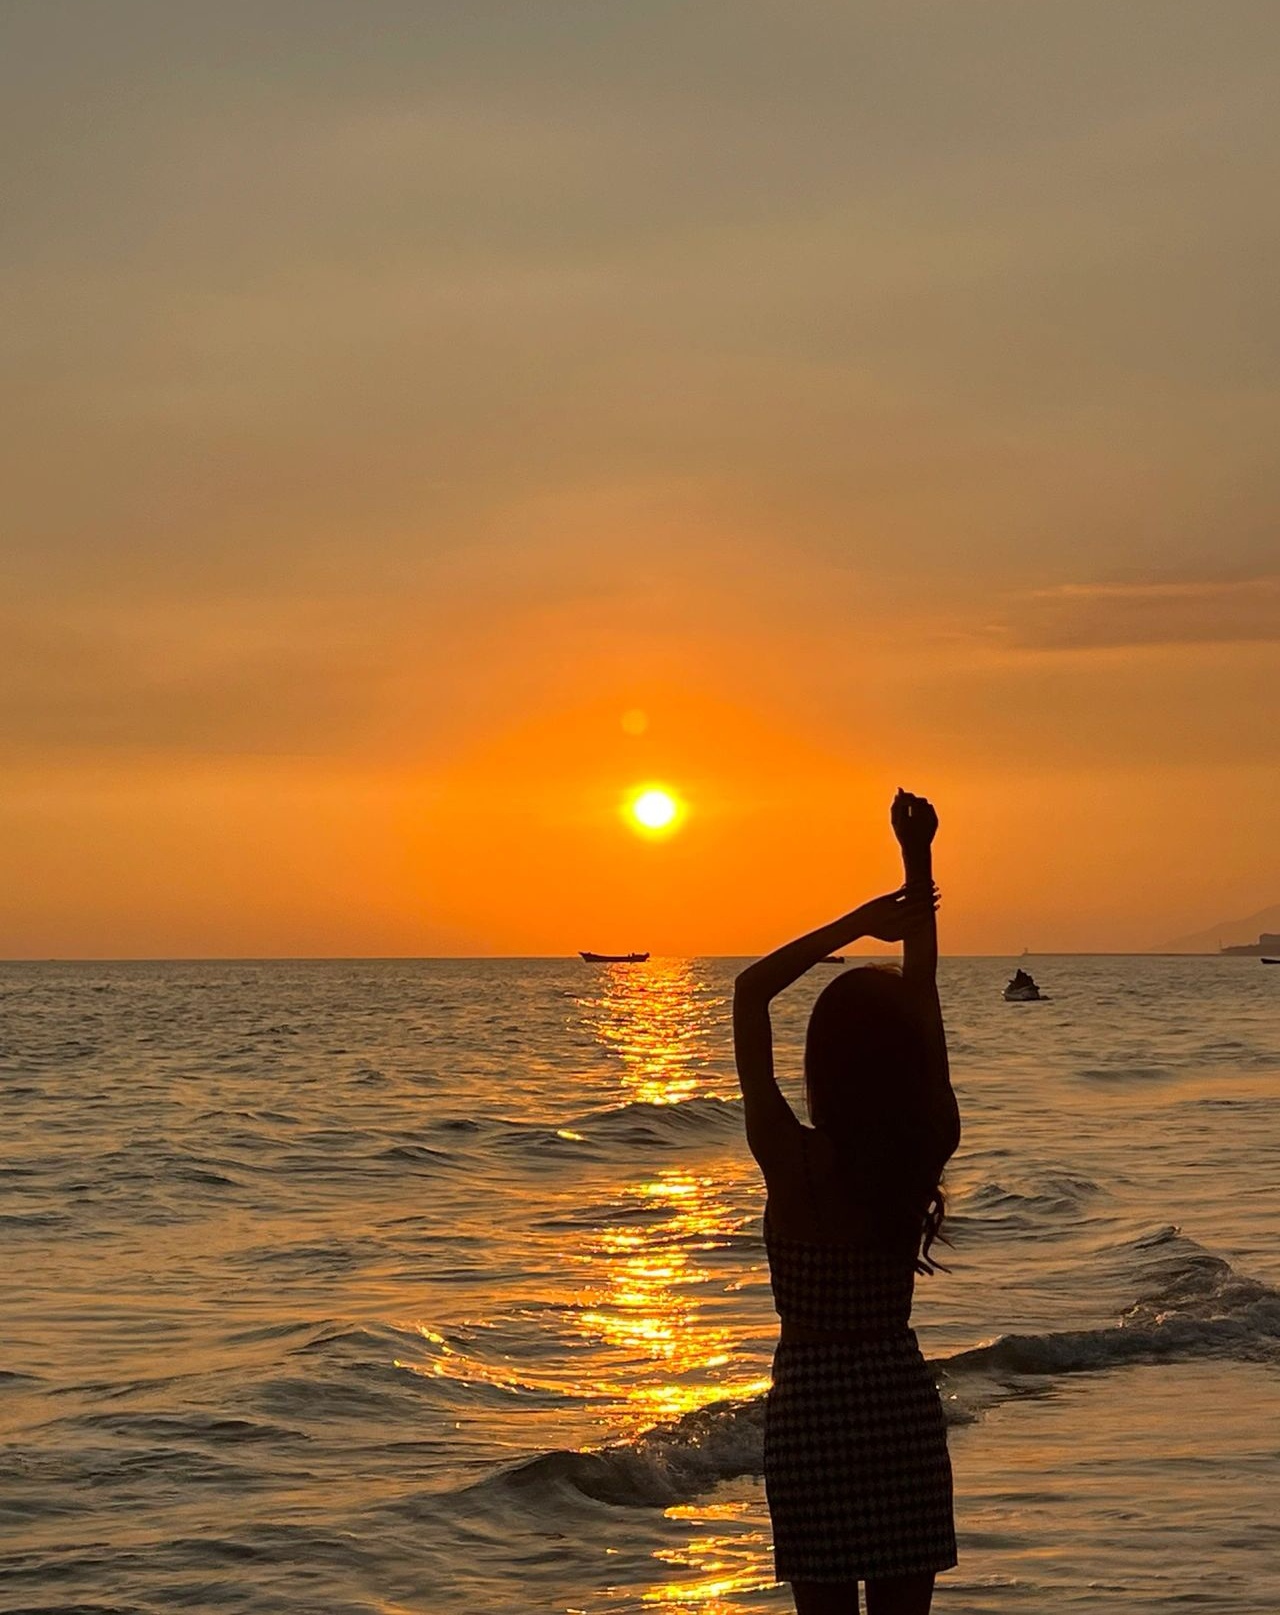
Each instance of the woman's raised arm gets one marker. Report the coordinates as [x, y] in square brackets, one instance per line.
[772, 1125]
[915, 823]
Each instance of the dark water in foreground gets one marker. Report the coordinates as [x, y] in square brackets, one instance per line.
[417, 1287]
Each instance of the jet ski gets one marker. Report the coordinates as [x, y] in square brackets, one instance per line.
[1022, 989]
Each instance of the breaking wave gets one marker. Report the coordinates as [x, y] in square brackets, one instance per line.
[663, 1465]
[1194, 1304]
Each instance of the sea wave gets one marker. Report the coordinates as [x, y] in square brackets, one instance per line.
[1197, 1305]
[639, 1122]
[1192, 1304]
[643, 1122]
[1053, 1195]
[663, 1465]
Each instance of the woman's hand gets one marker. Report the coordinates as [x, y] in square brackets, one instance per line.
[896, 915]
[915, 823]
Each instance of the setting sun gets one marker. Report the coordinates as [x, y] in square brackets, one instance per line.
[653, 809]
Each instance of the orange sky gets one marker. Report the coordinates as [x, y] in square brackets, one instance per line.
[398, 400]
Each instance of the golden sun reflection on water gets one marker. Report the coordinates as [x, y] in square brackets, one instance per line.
[651, 1294]
[720, 1566]
[653, 1300]
[639, 1275]
[660, 1019]
[644, 1305]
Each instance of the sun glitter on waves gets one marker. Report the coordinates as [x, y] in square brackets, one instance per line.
[653, 810]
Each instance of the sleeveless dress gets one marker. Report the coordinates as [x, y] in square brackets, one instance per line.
[855, 1445]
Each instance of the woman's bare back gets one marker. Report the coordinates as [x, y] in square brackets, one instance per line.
[809, 1196]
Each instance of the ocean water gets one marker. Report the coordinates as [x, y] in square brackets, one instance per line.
[439, 1286]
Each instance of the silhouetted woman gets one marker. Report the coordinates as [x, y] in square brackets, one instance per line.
[855, 1449]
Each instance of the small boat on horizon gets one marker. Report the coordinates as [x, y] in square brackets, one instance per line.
[1271, 961]
[832, 959]
[613, 958]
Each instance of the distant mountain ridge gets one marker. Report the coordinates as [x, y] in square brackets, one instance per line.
[1229, 934]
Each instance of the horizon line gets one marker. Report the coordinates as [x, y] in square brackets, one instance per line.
[475, 958]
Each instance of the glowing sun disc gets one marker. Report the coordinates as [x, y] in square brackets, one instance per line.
[653, 809]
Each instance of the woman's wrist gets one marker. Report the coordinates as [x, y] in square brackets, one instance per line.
[917, 865]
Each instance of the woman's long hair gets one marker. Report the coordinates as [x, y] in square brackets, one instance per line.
[868, 1073]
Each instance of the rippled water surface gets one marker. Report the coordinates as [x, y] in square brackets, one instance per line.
[439, 1286]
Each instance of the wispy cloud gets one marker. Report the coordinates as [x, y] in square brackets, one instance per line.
[1186, 611]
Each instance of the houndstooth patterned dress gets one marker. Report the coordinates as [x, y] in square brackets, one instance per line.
[855, 1445]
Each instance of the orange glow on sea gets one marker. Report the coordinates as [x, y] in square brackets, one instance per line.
[638, 1280]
